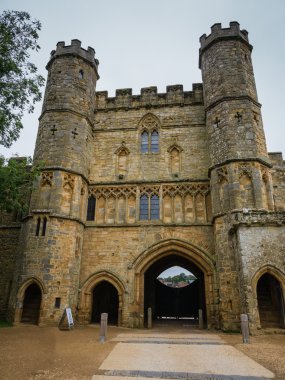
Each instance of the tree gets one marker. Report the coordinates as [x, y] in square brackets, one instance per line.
[16, 182]
[19, 82]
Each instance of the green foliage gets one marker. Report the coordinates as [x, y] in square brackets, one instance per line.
[16, 181]
[5, 323]
[182, 277]
[19, 82]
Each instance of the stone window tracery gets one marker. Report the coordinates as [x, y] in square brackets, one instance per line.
[149, 134]
[180, 203]
[149, 207]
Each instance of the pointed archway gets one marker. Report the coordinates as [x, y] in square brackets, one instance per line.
[270, 301]
[105, 300]
[168, 303]
[102, 292]
[184, 254]
[31, 304]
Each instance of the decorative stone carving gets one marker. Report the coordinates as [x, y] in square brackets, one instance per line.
[245, 170]
[222, 175]
[114, 191]
[149, 122]
[122, 160]
[68, 180]
[47, 178]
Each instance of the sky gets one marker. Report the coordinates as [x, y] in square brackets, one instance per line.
[173, 271]
[142, 43]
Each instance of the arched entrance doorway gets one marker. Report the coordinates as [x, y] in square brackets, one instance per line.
[105, 299]
[270, 301]
[168, 303]
[31, 304]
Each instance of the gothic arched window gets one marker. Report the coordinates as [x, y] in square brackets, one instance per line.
[144, 142]
[154, 207]
[154, 142]
[149, 207]
[144, 207]
[150, 134]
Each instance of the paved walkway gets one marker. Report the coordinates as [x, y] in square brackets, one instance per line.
[196, 356]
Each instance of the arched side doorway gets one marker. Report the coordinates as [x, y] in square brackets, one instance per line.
[105, 299]
[182, 254]
[270, 301]
[31, 304]
[174, 303]
[100, 292]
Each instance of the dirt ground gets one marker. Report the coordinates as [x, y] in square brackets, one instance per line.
[45, 353]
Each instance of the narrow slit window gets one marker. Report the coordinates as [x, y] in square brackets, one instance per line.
[144, 207]
[57, 303]
[38, 226]
[144, 142]
[91, 208]
[154, 142]
[44, 226]
[154, 207]
[81, 74]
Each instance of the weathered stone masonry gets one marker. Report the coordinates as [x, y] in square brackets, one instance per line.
[134, 184]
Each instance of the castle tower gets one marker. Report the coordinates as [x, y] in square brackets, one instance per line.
[239, 172]
[52, 233]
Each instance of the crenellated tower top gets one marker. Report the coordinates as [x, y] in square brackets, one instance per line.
[75, 49]
[219, 34]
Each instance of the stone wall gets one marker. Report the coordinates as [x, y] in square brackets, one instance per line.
[9, 238]
[200, 154]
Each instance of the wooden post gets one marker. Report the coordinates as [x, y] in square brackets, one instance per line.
[201, 323]
[103, 327]
[244, 328]
[149, 318]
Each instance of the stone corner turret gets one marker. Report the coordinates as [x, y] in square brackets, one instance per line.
[75, 49]
[218, 34]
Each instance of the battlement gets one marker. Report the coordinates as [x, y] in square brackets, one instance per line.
[74, 49]
[218, 33]
[149, 97]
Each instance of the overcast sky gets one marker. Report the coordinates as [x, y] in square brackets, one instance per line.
[173, 271]
[155, 43]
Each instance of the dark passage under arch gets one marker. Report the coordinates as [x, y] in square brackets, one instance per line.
[32, 304]
[270, 301]
[174, 303]
[105, 300]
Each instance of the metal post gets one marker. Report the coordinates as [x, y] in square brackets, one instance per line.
[149, 318]
[201, 323]
[103, 327]
[244, 328]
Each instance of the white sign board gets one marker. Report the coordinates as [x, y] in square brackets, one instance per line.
[66, 317]
[69, 316]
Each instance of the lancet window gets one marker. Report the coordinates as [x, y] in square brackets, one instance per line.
[150, 134]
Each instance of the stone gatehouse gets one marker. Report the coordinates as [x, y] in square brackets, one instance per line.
[135, 184]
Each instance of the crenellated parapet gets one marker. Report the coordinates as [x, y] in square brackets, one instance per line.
[75, 49]
[218, 34]
[149, 97]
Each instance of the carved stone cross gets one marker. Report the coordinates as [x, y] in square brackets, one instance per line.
[238, 116]
[217, 122]
[74, 133]
[53, 129]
